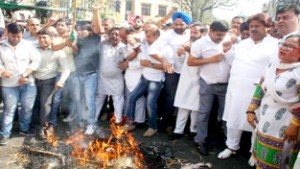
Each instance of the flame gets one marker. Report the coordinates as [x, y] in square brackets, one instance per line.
[50, 135]
[120, 148]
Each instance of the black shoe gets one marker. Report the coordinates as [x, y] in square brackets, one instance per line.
[27, 133]
[4, 140]
[174, 136]
[201, 148]
[191, 135]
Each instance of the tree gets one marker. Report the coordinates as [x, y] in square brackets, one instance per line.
[200, 8]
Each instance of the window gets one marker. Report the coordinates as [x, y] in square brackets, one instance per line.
[162, 11]
[128, 5]
[146, 9]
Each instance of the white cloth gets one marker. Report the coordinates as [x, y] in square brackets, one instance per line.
[110, 79]
[212, 73]
[2, 21]
[150, 73]
[118, 102]
[188, 89]
[248, 65]
[134, 71]
[175, 41]
[181, 119]
[17, 60]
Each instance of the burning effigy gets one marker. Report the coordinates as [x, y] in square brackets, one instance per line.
[117, 151]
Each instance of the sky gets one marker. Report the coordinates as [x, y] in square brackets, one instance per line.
[244, 8]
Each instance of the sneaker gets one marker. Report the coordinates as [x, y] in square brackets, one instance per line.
[4, 140]
[27, 133]
[70, 118]
[89, 130]
[42, 134]
[128, 127]
[226, 153]
[150, 132]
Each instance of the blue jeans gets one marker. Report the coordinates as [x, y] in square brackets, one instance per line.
[11, 96]
[88, 83]
[67, 97]
[207, 94]
[152, 89]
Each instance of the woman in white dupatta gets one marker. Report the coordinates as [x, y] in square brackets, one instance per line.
[277, 144]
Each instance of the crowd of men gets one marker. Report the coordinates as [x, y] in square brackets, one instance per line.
[188, 66]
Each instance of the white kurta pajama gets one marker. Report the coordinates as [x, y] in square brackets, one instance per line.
[132, 76]
[110, 79]
[249, 63]
[187, 97]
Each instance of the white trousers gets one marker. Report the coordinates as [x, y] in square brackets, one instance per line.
[181, 119]
[234, 137]
[118, 102]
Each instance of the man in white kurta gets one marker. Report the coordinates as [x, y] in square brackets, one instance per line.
[111, 80]
[251, 57]
[187, 97]
[133, 73]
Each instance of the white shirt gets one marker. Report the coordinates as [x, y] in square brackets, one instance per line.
[212, 73]
[175, 41]
[134, 71]
[149, 73]
[50, 62]
[17, 60]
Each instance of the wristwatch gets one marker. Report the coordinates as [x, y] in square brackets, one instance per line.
[25, 75]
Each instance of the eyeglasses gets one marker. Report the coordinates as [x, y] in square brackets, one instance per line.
[286, 46]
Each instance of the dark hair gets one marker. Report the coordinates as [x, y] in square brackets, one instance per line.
[263, 18]
[294, 36]
[65, 20]
[220, 26]
[15, 28]
[45, 32]
[203, 29]
[87, 27]
[289, 7]
[138, 17]
[130, 30]
[113, 29]
[244, 26]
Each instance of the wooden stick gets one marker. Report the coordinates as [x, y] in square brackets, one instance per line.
[43, 152]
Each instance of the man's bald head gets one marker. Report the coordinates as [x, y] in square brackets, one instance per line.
[152, 33]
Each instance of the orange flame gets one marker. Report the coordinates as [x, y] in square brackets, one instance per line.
[120, 147]
[50, 135]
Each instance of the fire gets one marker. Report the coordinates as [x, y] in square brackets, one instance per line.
[50, 135]
[119, 149]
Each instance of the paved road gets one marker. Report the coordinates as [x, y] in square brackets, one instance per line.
[183, 149]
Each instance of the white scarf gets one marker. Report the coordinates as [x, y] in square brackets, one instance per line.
[270, 77]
